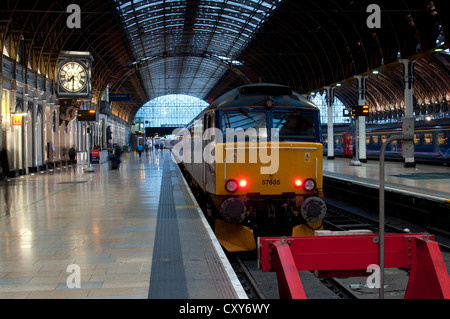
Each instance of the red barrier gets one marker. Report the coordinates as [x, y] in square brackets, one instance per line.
[350, 255]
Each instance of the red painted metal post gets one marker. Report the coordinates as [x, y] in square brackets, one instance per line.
[289, 283]
[428, 278]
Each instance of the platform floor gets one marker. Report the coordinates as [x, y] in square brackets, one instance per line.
[429, 181]
[135, 232]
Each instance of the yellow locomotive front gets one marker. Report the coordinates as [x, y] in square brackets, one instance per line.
[256, 154]
[285, 200]
[267, 176]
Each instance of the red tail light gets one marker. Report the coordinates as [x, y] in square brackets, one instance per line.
[242, 183]
[298, 182]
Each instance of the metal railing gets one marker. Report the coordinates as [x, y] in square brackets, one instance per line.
[382, 202]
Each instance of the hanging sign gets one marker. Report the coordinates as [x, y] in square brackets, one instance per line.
[16, 119]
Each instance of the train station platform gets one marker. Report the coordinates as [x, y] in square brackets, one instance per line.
[429, 182]
[136, 232]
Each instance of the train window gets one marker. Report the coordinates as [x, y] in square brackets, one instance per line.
[294, 125]
[375, 139]
[416, 138]
[383, 138]
[367, 139]
[394, 146]
[428, 138]
[443, 138]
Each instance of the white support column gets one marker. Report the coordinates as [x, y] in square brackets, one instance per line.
[12, 140]
[35, 143]
[50, 139]
[361, 120]
[44, 129]
[408, 121]
[25, 145]
[330, 131]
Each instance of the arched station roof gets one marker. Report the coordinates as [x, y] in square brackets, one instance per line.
[204, 48]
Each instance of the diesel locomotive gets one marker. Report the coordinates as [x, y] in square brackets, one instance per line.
[255, 154]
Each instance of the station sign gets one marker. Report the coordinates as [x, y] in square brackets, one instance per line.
[87, 115]
[119, 97]
[360, 110]
[95, 156]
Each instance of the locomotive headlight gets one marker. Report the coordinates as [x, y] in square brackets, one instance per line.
[309, 184]
[231, 185]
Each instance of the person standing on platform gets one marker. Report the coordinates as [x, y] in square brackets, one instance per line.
[140, 148]
[115, 158]
[73, 155]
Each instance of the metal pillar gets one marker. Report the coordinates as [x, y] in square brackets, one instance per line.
[408, 121]
[358, 127]
[330, 131]
[34, 149]
[361, 120]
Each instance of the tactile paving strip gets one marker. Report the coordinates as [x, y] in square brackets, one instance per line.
[167, 279]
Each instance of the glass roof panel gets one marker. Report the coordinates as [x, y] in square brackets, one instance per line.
[171, 110]
[187, 46]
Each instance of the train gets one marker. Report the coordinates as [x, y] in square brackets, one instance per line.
[255, 155]
[431, 141]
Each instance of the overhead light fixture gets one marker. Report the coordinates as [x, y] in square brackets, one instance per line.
[269, 103]
[375, 72]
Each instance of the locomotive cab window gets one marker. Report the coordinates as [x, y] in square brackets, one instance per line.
[245, 119]
[294, 125]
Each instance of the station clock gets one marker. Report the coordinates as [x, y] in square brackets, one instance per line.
[74, 75]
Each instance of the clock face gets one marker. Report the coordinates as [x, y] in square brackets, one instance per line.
[72, 76]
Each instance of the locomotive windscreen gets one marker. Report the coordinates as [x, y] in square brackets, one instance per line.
[245, 120]
[294, 125]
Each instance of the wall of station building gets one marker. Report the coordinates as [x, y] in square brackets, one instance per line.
[41, 140]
